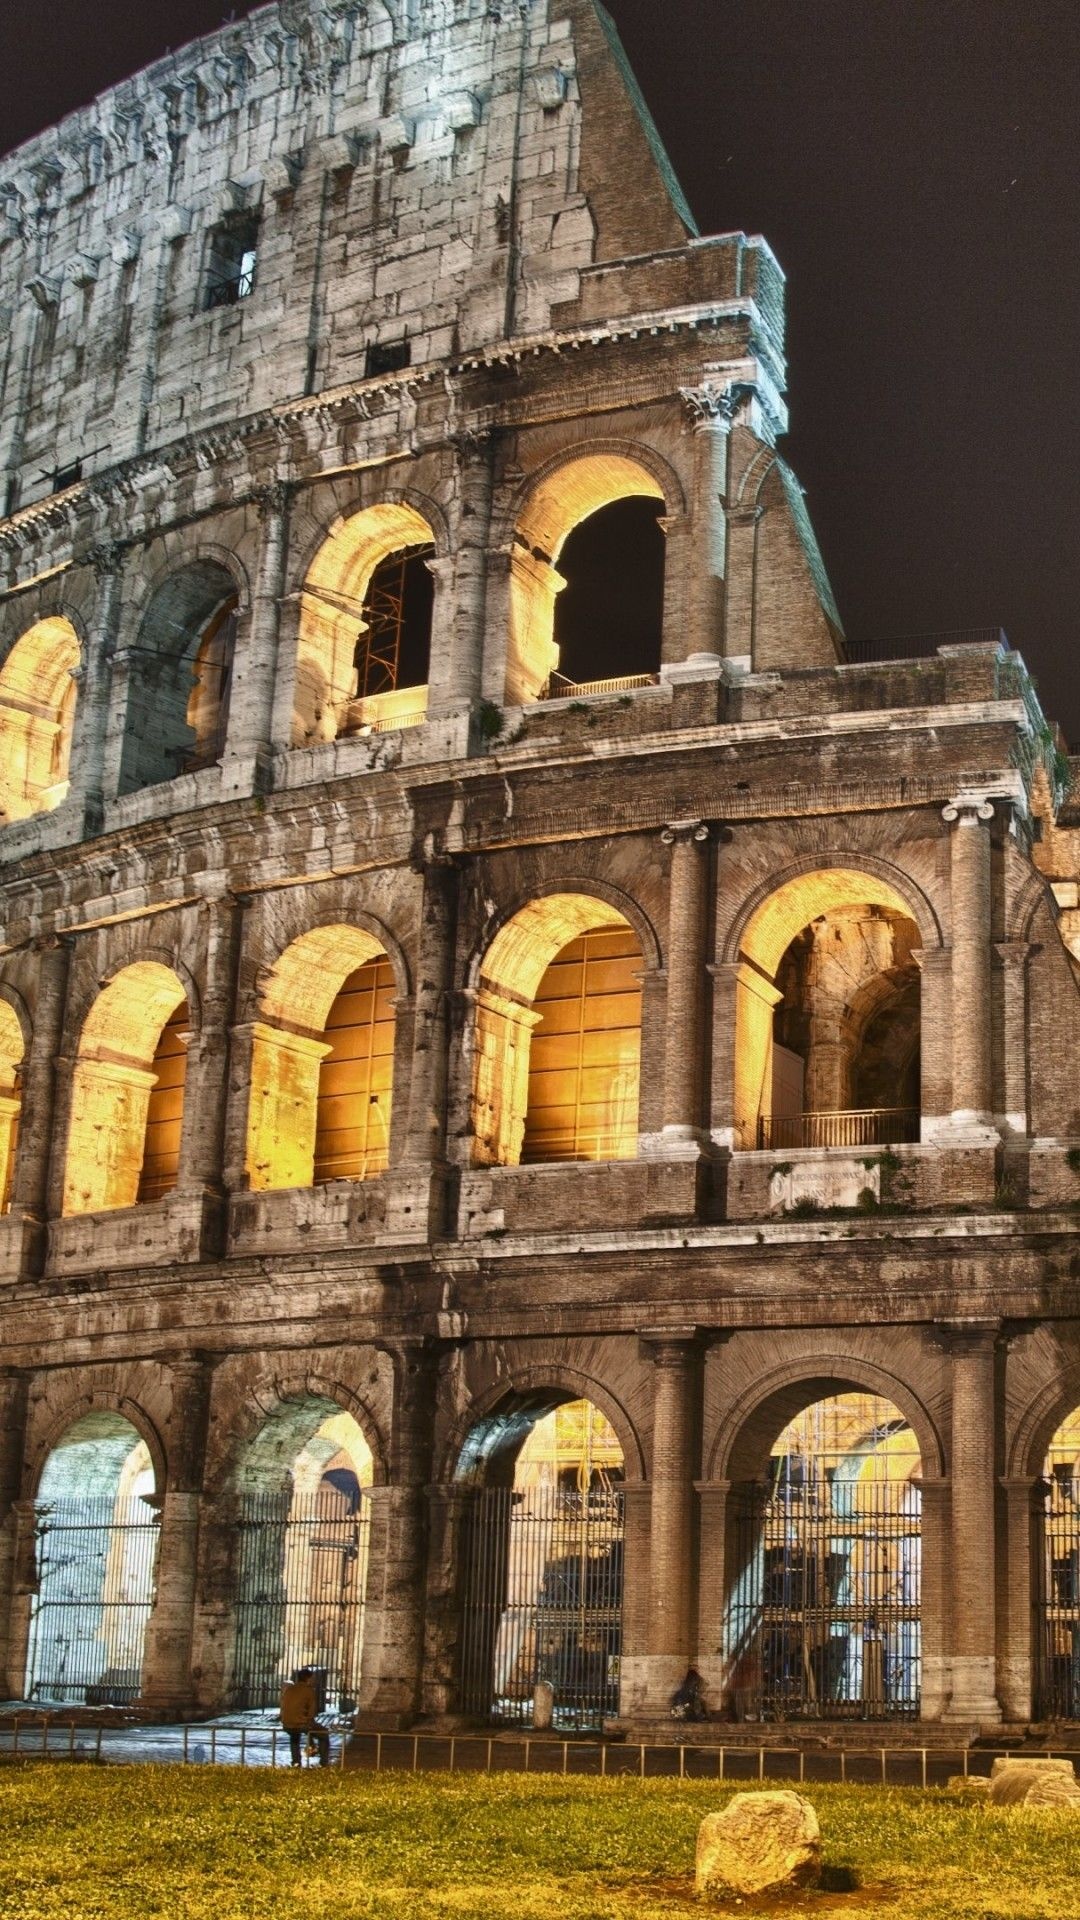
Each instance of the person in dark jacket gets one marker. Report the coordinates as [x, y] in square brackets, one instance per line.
[299, 1706]
[688, 1701]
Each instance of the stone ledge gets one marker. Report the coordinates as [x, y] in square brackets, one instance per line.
[390, 1209]
[161, 1233]
[588, 1194]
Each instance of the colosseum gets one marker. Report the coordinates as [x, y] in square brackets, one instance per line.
[539, 1094]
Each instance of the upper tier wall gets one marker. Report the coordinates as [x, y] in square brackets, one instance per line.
[445, 180]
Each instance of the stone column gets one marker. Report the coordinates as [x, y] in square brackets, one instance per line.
[935, 1591]
[166, 1675]
[972, 1576]
[424, 1152]
[251, 723]
[206, 1090]
[22, 1520]
[1019, 1577]
[475, 452]
[708, 411]
[39, 1145]
[95, 767]
[714, 1506]
[392, 1672]
[687, 890]
[1013, 957]
[676, 1360]
[972, 1099]
[13, 1399]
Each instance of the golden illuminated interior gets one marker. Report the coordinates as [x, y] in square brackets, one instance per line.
[555, 507]
[11, 1055]
[165, 1109]
[115, 1076]
[37, 713]
[586, 1076]
[575, 1446]
[869, 925]
[332, 623]
[585, 1057]
[352, 1122]
[322, 1063]
[1063, 1455]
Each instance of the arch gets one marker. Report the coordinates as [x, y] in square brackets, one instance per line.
[564, 493]
[96, 1537]
[304, 1084]
[498, 1420]
[88, 1406]
[1040, 1421]
[510, 975]
[12, 1052]
[772, 1055]
[300, 1545]
[37, 717]
[333, 606]
[180, 673]
[113, 1080]
[749, 1428]
[295, 1386]
[583, 887]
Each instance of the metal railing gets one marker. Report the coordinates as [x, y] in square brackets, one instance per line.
[301, 1575]
[560, 688]
[919, 646]
[95, 1567]
[1058, 1693]
[395, 724]
[222, 1743]
[852, 1127]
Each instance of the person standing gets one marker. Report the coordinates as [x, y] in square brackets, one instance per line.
[299, 1706]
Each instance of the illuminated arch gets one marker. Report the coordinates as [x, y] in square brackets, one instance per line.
[565, 495]
[180, 675]
[112, 1086]
[771, 921]
[97, 1534]
[320, 1067]
[495, 1424]
[37, 715]
[748, 1430]
[12, 1048]
[511, 976]
[333, 621]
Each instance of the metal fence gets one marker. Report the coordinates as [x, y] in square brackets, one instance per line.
[95, 1563]
[1058, 1636]
[301, 1571]
[543, 1602]
[823, 1618]
[853, 1127]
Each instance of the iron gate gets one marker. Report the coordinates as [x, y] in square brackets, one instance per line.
[95, 1567]
[542, 1592]
[301, 1570]
[823, 1619]
[1058, 1643]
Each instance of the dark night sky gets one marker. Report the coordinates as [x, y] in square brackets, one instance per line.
[913, 163]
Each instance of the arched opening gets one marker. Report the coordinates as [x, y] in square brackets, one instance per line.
[37, 715]
[11, 1059]
[364, 646]
[96, 1533]
[558, 1036]
[1058, 1648]
[322, 1065]
[822, 1617]
[128, 1077]
[828, 1016]
[180, 673]
[609, 616]
[597, 514]
[542, 1564]
[301, 1553]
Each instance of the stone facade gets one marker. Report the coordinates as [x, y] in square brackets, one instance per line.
[476, 312]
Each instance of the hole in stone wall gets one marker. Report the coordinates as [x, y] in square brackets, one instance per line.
[179, 678]
[609, 616]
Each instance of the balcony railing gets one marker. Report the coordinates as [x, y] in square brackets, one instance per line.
[560, 688]
[919, 646]
[855, 1127]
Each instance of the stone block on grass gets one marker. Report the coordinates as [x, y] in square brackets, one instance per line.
[760, 1843]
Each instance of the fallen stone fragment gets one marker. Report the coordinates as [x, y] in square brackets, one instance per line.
[972, 1786]
[1014, 1782]
[760, 1843]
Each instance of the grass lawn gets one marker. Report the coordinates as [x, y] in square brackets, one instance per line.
[125, 1843]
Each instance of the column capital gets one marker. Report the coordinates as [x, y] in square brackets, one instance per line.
[685, 832]
[1014, 954]
[969, 806]
[472, 443]
[106, 558]
[967, 1338]
[713, 406]
[670, 1346]
[272, 499]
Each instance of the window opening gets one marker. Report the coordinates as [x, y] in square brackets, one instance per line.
[386, 356]
[609, 615]
[584, 1058]
[165, 1109]
[230, 274]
